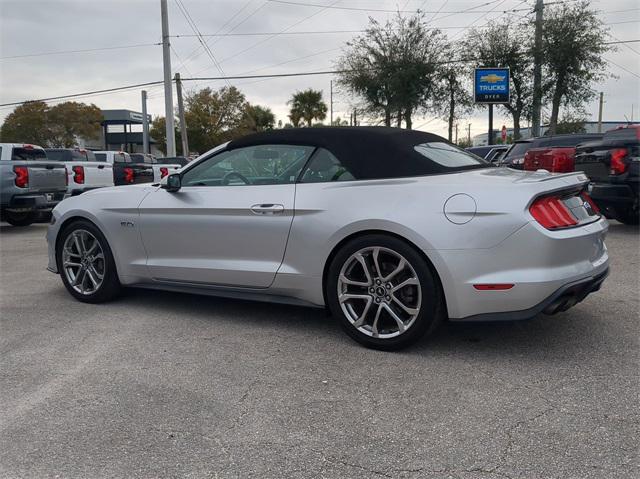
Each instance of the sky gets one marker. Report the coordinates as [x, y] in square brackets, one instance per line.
[44, 36]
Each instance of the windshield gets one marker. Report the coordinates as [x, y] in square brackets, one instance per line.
[28, 154]
[449, 156]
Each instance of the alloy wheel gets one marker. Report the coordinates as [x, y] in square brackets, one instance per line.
[379, 292]
[83, 262]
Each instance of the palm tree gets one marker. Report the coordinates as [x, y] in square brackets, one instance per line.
[308, 106]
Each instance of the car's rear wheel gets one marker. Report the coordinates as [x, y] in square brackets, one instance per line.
[383, 292]
[86, 264]
[20, 218]
[629, 217]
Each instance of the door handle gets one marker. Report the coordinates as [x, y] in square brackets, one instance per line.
[267, 209]
[100, 167]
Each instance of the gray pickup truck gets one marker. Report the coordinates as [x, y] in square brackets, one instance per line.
[30, 185]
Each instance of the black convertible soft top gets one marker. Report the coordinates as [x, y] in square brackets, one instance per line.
[368, 152]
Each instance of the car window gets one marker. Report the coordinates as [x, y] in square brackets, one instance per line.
[90, 155]
[325, 167]
[28, 154]
[101, 157]
[252, 165]
[448, 155]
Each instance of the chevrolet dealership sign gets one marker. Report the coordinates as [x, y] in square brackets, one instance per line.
[491, 85]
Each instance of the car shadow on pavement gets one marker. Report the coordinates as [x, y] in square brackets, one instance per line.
[559, 336]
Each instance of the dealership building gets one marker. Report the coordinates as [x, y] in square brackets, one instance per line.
[121, 131]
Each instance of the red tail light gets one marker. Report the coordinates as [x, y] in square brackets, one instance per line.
[552, 213]
[128, 175]
[493, 287]
[585, 196]
[22, 176]
[78, 174]
[163, 171]
[555, 160]
[618, 165]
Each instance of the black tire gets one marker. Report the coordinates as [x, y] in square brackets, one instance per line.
[110, 287]
[629, 217]
[431, 311]
[20, 219]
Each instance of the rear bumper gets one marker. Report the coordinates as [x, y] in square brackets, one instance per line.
[35, 202]
[615, 198]
[540, 264]
[564, 298]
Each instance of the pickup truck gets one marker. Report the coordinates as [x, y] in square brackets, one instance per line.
[514, 157]
[160, 170]
[613, 165]
[84, 171]
[125, 171]
[30, 185]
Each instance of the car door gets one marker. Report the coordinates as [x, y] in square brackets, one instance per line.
[229, 222]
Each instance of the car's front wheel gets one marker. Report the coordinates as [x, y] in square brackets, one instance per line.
[383, 292]
[86, 264]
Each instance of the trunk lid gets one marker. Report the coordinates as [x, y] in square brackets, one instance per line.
[44, 176]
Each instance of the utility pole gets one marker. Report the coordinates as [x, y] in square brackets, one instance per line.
[469, 133]
[331, 103]
[355, 118]
[145, 124]
[351, 119]
[456, 134]
[600, 112]
[537, 71]
[168, 88]
[183, 123]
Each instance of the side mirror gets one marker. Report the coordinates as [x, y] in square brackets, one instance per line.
[173, 183]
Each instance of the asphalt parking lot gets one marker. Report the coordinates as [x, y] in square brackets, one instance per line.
[174, 385]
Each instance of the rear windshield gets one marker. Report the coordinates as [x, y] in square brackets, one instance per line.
[518, 149]
[449, 156]
[630, 133]
[70, 155]
[101, 157]
[569, 140]
[28, 154]
[121, 158]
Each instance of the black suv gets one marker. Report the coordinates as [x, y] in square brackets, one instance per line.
[613, 165]
[514, 158]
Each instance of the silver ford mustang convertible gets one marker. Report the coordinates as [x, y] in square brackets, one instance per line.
[392, 230]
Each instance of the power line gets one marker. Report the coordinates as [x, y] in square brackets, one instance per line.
[194, 27]
[622, 68]
[386, 10]
[75, 95]
[194, 53]
[88, 50]
[264, 34]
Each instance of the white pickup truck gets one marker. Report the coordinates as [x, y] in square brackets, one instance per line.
[160, 169]
[84, 171]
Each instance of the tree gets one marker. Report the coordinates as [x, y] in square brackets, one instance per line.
[27, 123]
[70, 120]
[393, 67]
[57, 126]
[259, 118]
[507, 45]
[214, 117]
[453, 98]
[158, 131]
[572, 122]
[573, 43]
[307, 105]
